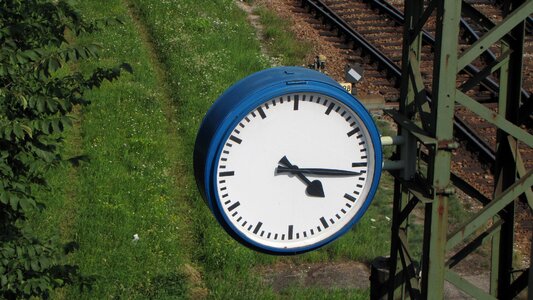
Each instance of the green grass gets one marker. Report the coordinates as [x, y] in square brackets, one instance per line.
[281, 43]
[139, 134]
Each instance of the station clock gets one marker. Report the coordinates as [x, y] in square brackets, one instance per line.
[287, 160]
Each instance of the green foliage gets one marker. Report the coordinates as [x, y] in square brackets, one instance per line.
[282, 44]
[37, 96]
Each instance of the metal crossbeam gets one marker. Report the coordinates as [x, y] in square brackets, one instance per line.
[495, 34]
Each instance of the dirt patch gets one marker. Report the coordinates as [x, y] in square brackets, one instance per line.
[339, 275]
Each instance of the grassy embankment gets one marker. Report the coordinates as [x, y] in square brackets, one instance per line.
[139, 134]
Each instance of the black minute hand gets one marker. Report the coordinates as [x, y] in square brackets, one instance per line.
[317, 171]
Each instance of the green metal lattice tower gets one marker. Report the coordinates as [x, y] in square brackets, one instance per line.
[427, 130]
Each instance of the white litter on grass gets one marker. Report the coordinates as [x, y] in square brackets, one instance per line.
[388, 219]
[373, 220]
[135, 238]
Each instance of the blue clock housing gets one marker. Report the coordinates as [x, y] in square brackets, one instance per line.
[235, 103]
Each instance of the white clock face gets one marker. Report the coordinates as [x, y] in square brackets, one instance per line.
[295, 170]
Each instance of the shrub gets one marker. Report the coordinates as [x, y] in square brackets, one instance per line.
[38, 92]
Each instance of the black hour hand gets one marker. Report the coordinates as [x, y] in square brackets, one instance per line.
[314, 188]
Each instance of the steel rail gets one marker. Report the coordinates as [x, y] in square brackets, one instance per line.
[345, 29]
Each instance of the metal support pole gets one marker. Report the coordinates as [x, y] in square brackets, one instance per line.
[429, 127]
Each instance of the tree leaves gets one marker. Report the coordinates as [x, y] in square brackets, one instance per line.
[37, 95]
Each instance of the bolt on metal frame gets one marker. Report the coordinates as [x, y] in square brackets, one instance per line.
[430, 126]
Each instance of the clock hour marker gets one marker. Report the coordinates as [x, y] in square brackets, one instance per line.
[257, 227]
[235, 139]
[227, 173]
[330, 107]
[296, 100]
[234, 206]
[324, 223]
[354, 131]
[351, 198]
[359, 164]
[290, 231]
[261, 112]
